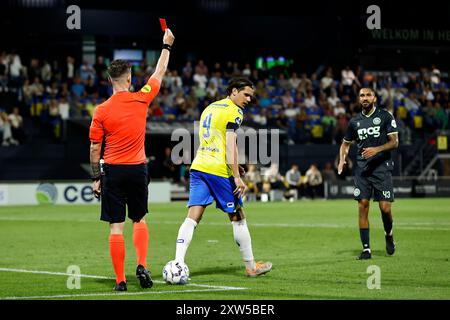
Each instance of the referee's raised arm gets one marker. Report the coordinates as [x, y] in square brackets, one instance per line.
[163, 61]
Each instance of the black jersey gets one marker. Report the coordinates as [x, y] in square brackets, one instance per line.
[371, 131]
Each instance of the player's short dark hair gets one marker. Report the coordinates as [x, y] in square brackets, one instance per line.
[239, 83]
[368, 88]
[118, 68]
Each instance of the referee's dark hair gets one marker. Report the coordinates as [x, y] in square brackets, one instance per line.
[239, 83]
[118, 68]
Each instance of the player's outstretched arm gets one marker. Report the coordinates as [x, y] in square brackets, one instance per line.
[343, 152]
[163, 62]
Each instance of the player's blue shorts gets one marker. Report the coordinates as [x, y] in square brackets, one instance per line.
[206, 187]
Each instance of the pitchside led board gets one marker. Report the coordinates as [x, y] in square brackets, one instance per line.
[66, 193]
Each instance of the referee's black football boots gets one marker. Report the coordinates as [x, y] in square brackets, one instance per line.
[122, 286]
[144, 277]
[390, 244]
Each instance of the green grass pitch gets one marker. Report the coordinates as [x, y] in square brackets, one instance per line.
[313, 246]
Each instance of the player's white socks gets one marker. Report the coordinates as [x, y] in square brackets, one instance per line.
[244, 241]
[184, 238]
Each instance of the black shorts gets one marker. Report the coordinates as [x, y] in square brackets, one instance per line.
[124, 185]
[377, 182]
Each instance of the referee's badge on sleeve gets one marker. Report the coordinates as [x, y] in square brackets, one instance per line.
[146, 89]
[238, 120]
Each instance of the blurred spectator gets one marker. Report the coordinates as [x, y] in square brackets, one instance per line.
[63, 108]
[33, 70]
[69, 70]
[201, 68]
[294, 80]
[218, 81]
[5, 131]
[212, 91]
[27, 93]
[15, 71]
[329, 125]
[100, 69]
[341, 127]
[283, 83]
[310, 99]
[253, 181]
[46, 73]
[155, 110]
[286, 99]
[16, 121]
[326, 81]
[3, 72]
[236, 70]
[78, 88]
[247, 70]
[313, 179]
[200, 79]
[261, 118]
[333, 99]
[328, 174]
[86, 71]
[347, 80]
[402, 77]
[412, 104]
[176, 83]
[435, 75]
[293, 183]
[187, 73]
[304, 84]
[273, 177]
[37, 89]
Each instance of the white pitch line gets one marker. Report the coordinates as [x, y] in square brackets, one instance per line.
[439, 226]
[55, 273]
[208, 287]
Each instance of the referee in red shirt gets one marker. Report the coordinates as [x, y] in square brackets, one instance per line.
[121, 121]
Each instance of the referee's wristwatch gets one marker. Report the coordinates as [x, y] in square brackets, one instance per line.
[95, 178]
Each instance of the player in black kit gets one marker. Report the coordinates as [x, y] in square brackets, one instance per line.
[375, 133]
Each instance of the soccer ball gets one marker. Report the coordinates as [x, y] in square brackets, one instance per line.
[176, 272]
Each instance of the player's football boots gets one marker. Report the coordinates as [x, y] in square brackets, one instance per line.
[390, 244]
[260, 268]
[365, 254]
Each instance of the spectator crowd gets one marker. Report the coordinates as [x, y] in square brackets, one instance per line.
[311, 108]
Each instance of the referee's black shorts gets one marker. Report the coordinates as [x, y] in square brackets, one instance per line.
[124, 185]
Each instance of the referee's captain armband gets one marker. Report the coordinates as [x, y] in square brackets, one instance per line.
[149, 91]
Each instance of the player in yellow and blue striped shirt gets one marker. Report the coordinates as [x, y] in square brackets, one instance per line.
[215, 173]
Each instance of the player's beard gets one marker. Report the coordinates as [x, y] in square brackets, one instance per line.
[368, 107]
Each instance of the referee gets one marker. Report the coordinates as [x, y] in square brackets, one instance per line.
[121, 121]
